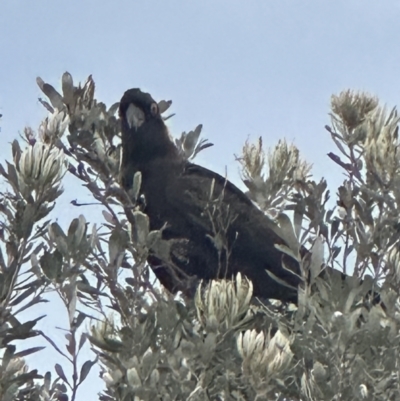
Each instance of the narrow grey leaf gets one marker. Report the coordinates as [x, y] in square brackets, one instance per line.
[40, 82]
[298, 219]
[117, 244]
[85, 370]
[288, 233]
[67, 87]
[141, 228]
[8, 355]
[83, 337]
[47, 381]
[46, 105]
[79, 320]
[59, 370]
[137, 183]
[28, 351]
[317, 257]
[112, 110]
[164, 105]
[55, 98]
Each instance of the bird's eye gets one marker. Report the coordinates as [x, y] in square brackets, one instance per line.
[154, 109]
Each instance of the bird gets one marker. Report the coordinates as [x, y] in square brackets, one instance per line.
[215, 229]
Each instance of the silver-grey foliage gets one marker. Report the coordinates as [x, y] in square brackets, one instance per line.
[339, 343]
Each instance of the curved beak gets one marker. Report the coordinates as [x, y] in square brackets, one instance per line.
[134, 116]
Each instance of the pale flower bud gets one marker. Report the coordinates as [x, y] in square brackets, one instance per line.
[225, 303]
[41, 166]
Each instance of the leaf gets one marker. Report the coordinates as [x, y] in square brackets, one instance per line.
[71, 346]
[335, 251]
[80, 319]
[286, 250]
[336, 138]
[51, 195]
[288, 234]
[164, 105]
[67, 84]
[189, 140]
[137, 183]
[46, 105]
[337, 160]
[317, 257]
[28, 220]
[279, 280]
[108, 217]
[12, 176]
[55, 98]
[82, 340]
[47, 381]
[71, 294]
[40, 82]
[23, 296]
[44, 210]
[53, 344]
[32, 302]
[57, 235]
[117, 243]
[201, 146]
[16, 151]
[62, 397]
[86, 369]
[87, 288]
[334, 227]
[111, 111]
[3, 172]
[140, 228]
[298, 219]
[22, 331]
[76, 231]
[329, 215]
[88, 92]
[168, 117]
[8, 355]
[107, 344]
[59, 370]
[348, 251]
[51, 264]
[28, 351]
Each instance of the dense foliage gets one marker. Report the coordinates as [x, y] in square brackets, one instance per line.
[338, 344]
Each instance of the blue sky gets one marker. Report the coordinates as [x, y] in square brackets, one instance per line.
[243, 69]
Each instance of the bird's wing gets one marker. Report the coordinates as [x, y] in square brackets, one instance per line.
[196, 188]
[251, 235]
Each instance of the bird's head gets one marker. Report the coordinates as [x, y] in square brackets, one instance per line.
[137, 107]
[144, 135]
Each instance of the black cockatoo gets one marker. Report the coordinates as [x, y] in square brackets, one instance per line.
[194, 202]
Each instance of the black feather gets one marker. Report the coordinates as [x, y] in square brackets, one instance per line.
[179, 193]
